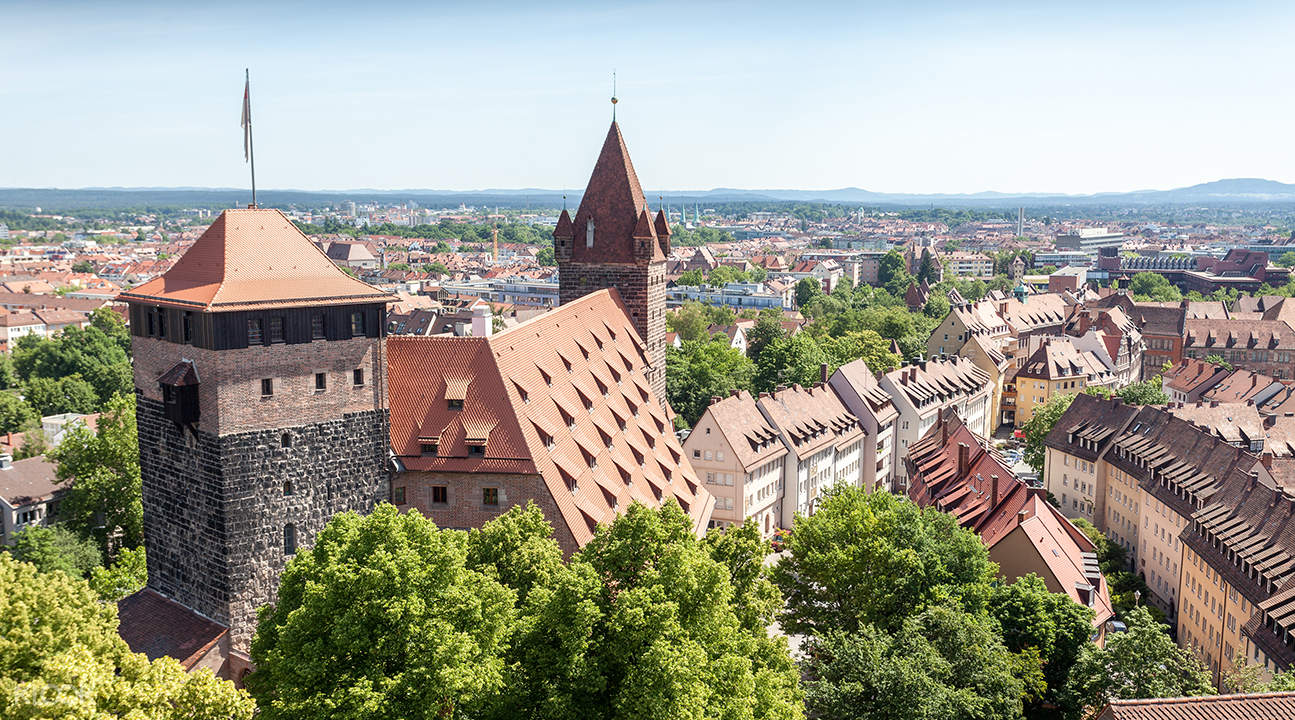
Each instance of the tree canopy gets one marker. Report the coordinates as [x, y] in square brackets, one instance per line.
[61, 658]
[102, 468]
[702, 369]
[1036, 429]
[387, 616]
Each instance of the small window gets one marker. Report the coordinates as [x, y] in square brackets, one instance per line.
[276, 329]
[321, 381]
[357, 377]
[289, 539]
[255, 334]
[152, 323]
[161, 323]
[169, 395]
[429, 448]
[287, 487]
[317, 326]
[187, 324]
[357, 324]
[398, 495]
[285, 441]
[440, 494]
[456, 404]
[476, 450]
[267, 387]
[489, 496]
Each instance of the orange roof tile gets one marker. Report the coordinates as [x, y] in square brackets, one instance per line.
[254, 258]
[589, 448]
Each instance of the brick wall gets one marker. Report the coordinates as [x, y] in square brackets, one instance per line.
[642, 288]
[229, 390]
[464, 508]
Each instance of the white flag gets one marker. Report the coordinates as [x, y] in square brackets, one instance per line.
[247, 120]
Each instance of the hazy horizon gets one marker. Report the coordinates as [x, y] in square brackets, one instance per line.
[930, 98]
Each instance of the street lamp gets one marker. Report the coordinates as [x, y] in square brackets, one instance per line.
[1137, 597]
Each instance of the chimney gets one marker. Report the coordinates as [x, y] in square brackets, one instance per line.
[1214, 403]
[964, 453]
[822, 372]
[714, 399]
[993, 490]
[482, 321]
[1266, 457]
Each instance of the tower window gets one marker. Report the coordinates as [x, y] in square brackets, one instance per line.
[285, 441]
[398, 496]
[287, 487]
[152, 323]
[161, 323]
[267, 387]
[276, 329]
[357, 324]
[187, 323]
[455, 404]
[289, 539]
[255, 332]
[429, 448]
[317, 326]
[440, 494]
[357, 377]
[589, 233]
[321, 381]
[489, 496]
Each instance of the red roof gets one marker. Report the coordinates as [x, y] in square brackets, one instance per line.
[156, 626]
[254, 258]
[562, 396]
[614, 201]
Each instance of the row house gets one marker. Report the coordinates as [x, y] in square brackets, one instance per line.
[1114, 337]
[920, 391]
[957, 471]
[1206, 521]
[862, 394]
[743, 461]
[1265, 346]
[1188, 380]
[1161, 324]
[1058, 367]
[824, 444]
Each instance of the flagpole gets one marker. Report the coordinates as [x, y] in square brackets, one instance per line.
[251, 153]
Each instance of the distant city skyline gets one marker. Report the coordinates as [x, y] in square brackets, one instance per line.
[933, 97]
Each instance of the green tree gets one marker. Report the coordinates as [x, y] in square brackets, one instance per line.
[1146, 392]
[936, 307]
[942, 662]
[1036, 429]
[890, 268]
[97, 355]
[1141, 663]
[102, 467]
[55, 548]
[867, 345]
[1286, 259]
[1058, 628]
[61, 657]
[70, 394]
[876, 559]
[702, 369]
[690, 322]
[124, 577]
[807, 289]
[381, 618]
[768, 328]
[693, 278]
[1153, 287]
[83, 266]
[788, 361]
[15, 415]
[1220, 361]
[544, 257]
[436, 268]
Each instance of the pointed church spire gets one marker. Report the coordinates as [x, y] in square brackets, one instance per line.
[612, 202]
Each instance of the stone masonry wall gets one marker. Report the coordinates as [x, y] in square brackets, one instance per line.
[463, 508]
[229, 391]
[215, 508]
[642, 287]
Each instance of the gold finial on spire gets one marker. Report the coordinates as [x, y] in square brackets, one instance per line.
[614, 100]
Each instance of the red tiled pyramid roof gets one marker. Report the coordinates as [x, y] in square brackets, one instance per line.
[250, 258]
[614, 201]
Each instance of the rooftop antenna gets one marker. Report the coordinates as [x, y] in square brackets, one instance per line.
[248, 155]
[614, 100]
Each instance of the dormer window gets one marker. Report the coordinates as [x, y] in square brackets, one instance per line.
[455, 404]
[589, 233]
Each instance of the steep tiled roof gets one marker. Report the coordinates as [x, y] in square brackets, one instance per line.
[1058, 358]
[939, 380]
[1192, 376]
[1240, 386]
[614, 201]
[563, 396]
[1258, 706]
[811, 418]
[1215, 335]
[864, 384]
[1089, 425]
[753, 440]
[253, 258]
[155, 626]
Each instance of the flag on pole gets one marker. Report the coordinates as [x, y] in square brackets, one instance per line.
[247, 119]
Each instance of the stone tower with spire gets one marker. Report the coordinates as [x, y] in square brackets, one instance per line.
[615, 242]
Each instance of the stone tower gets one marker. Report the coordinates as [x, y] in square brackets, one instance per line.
[615, 242]
[261, 405]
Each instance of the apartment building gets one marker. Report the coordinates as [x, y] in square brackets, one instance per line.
[742, 460]
[860, 390]
[920, 391]
[823, 441]
[1057, 367]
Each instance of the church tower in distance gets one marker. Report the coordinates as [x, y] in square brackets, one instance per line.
[614, 242]
[261, 404]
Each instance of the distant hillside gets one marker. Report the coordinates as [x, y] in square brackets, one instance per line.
[1236, 191]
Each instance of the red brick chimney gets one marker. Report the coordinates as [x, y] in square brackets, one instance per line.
[993, 490]
[822, 370]
[964, 454]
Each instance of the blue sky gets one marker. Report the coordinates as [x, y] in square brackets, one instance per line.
[898, 96]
